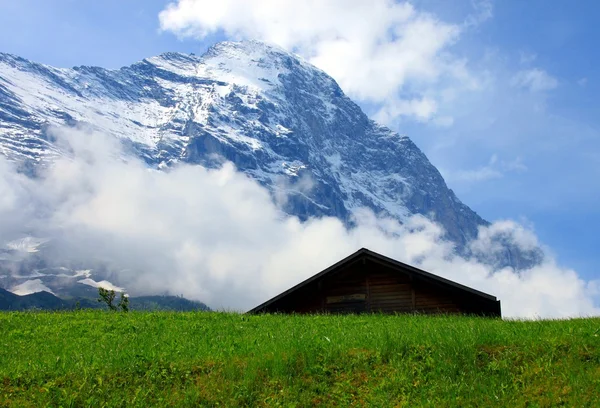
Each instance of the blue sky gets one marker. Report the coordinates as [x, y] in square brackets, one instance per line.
[520, 147]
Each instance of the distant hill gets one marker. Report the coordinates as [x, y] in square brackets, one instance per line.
[38, 300]
[174, 303]
[47, 301]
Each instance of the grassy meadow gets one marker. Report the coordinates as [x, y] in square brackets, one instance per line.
[97, 358]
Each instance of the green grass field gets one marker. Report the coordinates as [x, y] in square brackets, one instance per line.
[95, 358]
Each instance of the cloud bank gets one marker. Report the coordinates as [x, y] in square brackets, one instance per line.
[217, 236]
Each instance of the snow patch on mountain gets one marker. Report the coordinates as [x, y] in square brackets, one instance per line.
[30, 286]
[26, 244]
[104, 284]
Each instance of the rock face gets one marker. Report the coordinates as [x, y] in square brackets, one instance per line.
[276, 117]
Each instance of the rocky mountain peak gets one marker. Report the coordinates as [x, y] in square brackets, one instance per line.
[276, 117]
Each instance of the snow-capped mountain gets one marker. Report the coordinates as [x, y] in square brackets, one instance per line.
[276, 117]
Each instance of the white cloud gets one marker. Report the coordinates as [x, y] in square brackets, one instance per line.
[495, 169]
[379, 51]
[527, 58]
[482, 174]
[422, 109]
[489, 240]
[483, 11]
[534, 79]
[444, 121]
[216, 235]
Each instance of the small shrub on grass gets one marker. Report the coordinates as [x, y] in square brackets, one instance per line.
[108, 297]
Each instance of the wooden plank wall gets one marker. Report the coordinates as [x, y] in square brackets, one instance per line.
[429, 299]
[349, 282]
[385, 290]
[372, 287]
[389, 292]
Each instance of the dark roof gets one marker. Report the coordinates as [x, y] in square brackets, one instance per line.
[364, 253]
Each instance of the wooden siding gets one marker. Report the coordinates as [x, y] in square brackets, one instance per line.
[389, 292]
[348, 282]
[370, 286]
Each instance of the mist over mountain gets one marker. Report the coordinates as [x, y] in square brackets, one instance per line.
[281, 121]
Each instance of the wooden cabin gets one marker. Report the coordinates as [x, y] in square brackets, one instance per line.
[368, 282]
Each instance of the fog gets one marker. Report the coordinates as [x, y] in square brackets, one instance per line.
[217, 236]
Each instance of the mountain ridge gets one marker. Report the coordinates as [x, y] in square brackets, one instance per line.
[279, 119]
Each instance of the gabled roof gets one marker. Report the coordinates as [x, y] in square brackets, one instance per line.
[364, 253]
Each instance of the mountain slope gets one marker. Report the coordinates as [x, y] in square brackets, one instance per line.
[277, 118]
